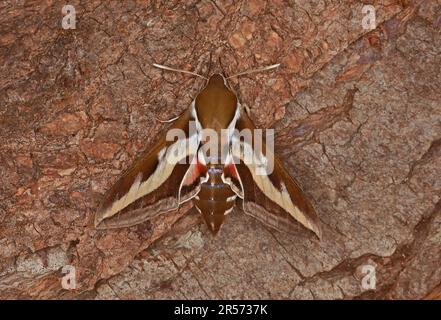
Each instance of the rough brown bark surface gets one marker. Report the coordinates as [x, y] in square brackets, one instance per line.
[358, 122]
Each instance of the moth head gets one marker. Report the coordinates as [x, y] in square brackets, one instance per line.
[218, 79]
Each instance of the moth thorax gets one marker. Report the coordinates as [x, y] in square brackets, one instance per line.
[215, 199]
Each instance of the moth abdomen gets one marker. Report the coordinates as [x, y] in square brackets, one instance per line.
[215, 199]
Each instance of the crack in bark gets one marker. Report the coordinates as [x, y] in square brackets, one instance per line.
[304, 132]
[433, 151]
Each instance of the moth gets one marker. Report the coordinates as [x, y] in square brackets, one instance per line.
[174, 171]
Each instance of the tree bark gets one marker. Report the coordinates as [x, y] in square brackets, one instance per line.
[357, 116]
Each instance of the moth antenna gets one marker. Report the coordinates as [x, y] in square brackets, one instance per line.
[255, 70]
[166, 121]
[160, 66]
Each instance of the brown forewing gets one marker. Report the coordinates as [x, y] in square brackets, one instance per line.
[263, 207]
[162, 199]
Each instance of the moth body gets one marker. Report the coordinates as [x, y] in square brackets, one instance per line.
[216, 109]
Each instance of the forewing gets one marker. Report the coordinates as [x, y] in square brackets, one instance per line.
[274, 198]
[153, 184]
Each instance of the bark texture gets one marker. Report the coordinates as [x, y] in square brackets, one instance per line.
[357, 115]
